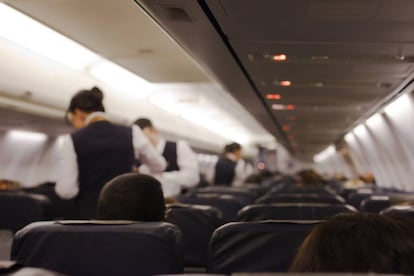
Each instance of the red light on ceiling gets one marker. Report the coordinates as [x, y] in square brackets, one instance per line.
[273, 96]
[280, 57]
[285, 83]
[290, 107]
[286, 128]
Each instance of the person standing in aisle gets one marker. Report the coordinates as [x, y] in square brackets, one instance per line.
[97, 152]
[182, 171]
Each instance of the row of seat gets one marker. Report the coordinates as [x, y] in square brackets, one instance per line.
[150, 248]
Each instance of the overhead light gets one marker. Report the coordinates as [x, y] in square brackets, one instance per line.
[398, 106]
[27, 136]
[286, 128]
[273, 97]
[285, 83]
[122, 79]
[280, 57]
[283, 107]
[34, 36]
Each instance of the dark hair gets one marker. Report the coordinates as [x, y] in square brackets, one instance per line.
[87, 101]
[143, 123]
[358, 242]
[132, 196]
[232, 147]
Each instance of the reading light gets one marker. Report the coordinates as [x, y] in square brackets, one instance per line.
[286, 128]
[34, 36]
[122, 79]
[285, 83]
[290, 107]
[280, 57]
[273, 97]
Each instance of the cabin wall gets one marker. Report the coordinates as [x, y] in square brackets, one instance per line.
[29, 160]
[382, 145]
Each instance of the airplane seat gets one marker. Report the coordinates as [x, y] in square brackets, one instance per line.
[403, 210]
[322, 191]
[11, 268]
[256, 188]
[292, 211]
[375, 203]
[197, 223]
[20, 208]
[100, 247]
[244, 196]
[60, 208]
[264, 246]
[249, 189]
[300, 198]
[356, 197]
[227, 204]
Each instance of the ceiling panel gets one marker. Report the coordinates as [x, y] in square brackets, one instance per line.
[119, 31]
[342, 59]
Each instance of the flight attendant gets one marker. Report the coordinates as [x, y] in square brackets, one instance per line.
[97, 152]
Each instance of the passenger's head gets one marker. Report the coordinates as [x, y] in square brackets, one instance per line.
[359, 242]
[82, 104]
[310, 178]
[234, 148]
[132, 196]
[150, 131]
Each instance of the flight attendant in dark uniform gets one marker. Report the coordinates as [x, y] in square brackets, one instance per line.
[97, 152]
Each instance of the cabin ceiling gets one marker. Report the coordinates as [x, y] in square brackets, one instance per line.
[344, 58]
[119, 31]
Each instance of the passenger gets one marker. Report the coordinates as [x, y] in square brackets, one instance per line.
[182, 171]
[310, 178]
[97, 152]
[229, 169]
[132, 196]
[359, 242]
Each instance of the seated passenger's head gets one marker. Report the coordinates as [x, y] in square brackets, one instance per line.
[149, 130]
[359, 242]
[82, 104]
[132, 196]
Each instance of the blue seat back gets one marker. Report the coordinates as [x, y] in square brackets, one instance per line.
[197, 223]
[100, 248]
[227, 204]
[256, 246]
[20, 209]
[292, 211]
